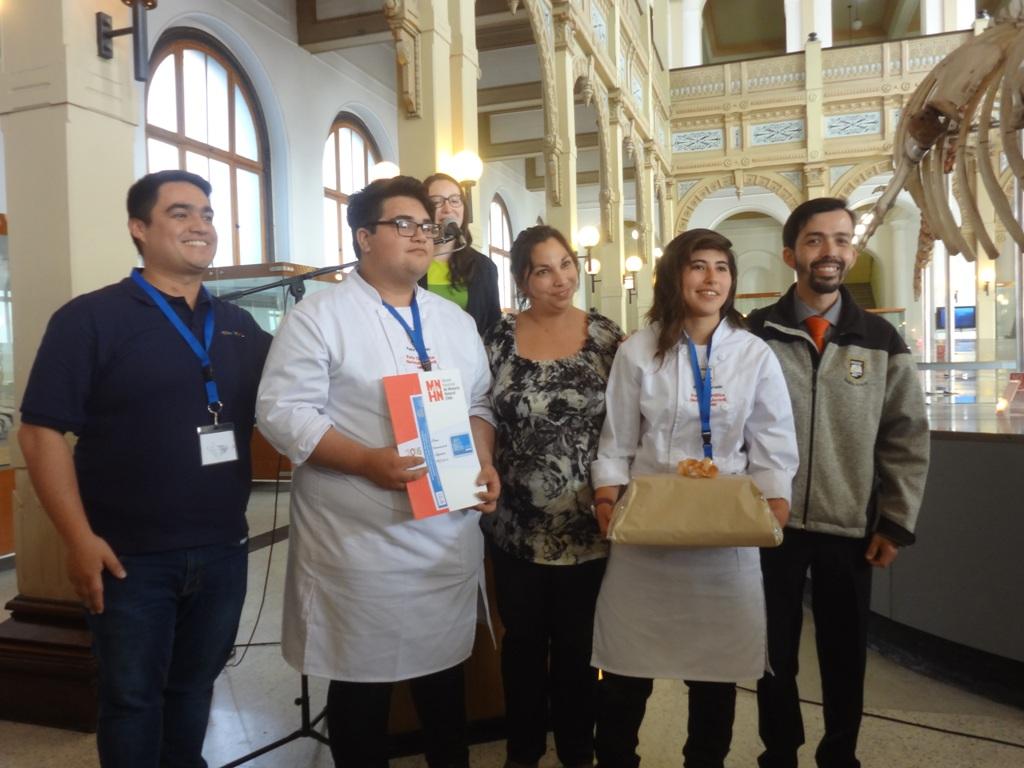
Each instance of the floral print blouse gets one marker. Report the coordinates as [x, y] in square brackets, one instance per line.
[549, 415]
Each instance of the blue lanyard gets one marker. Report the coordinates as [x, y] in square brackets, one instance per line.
[202, 351]
[415, 333]
[703, 387]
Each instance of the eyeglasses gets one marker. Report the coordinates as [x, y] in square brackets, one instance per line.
[455, 201]
[407, 227]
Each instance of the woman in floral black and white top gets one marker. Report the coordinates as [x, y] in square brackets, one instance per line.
[550, 365]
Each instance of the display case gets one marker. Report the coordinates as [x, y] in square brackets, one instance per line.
[268, 306]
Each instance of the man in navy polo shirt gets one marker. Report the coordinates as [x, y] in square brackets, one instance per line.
[158, 380]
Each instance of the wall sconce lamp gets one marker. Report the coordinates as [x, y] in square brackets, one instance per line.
[105, 34]
[986, 277]
[633, 265]
[588, 237]
[467, 167]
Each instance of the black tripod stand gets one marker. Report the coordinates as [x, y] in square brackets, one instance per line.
[307, 725]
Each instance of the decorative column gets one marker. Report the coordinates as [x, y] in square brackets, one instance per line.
[68, 119]
[815, 172]
[438, 67]
[645, 215]
[611, 250]
[423, 50]
[464, 63]
[560, 175]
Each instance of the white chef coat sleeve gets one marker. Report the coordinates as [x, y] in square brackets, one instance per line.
[620, 435]
[769, 432]
[292, 397]
[480, 388]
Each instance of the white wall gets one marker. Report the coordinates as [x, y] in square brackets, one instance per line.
[507, 178]
[757, 244]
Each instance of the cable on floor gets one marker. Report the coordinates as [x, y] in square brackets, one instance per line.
[937, 729]
[266, 578]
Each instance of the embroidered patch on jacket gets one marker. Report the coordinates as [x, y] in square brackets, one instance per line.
[856, 369]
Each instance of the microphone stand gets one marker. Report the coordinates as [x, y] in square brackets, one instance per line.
[296, 285]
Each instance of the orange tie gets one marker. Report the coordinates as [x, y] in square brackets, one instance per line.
[818, 326]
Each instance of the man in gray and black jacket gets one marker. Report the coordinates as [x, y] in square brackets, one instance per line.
[863, 438]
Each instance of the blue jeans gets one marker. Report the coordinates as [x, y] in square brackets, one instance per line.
[164, 635]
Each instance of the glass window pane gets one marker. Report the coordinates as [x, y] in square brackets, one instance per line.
[215, 114]
[250, 217]
[503, 262]
[162, 157]
[199, 164]
[506, 233]
[220, 200]
[331, 253]
[194, 86]
[219, 176]
[347, 252]
[494, 229]
[330, 164]
[161, 102]
[358, 162]
[345, 184]
[217, 103]
[246, 144]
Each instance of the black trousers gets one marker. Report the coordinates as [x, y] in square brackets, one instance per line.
[548, 613]
[840, 599]
[357, 720]
[623, 702]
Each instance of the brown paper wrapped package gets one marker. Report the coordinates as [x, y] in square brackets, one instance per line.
[674, 511]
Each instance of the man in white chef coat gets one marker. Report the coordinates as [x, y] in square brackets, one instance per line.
[372, 595]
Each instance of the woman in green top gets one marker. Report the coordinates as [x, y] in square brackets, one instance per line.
[459, 273]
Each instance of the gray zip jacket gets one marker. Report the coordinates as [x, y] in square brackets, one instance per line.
[860, 422]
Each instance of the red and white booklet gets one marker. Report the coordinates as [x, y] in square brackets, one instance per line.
[431, 420]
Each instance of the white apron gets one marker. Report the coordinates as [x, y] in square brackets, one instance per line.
[371, 595]
[690, 613]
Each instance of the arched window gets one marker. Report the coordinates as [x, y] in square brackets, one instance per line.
[349, 154]
[499, 236]
[202, 116]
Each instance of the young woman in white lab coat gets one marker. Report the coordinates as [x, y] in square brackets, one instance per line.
[694, 614]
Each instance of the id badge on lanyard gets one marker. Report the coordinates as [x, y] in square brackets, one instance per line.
[414, 332]
[216, 441]
[703, 386]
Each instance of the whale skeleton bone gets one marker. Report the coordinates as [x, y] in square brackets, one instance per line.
[945, 129]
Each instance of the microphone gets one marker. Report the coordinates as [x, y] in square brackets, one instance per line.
[450, 230]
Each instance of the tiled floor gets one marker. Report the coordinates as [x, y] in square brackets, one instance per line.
[253, 707]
